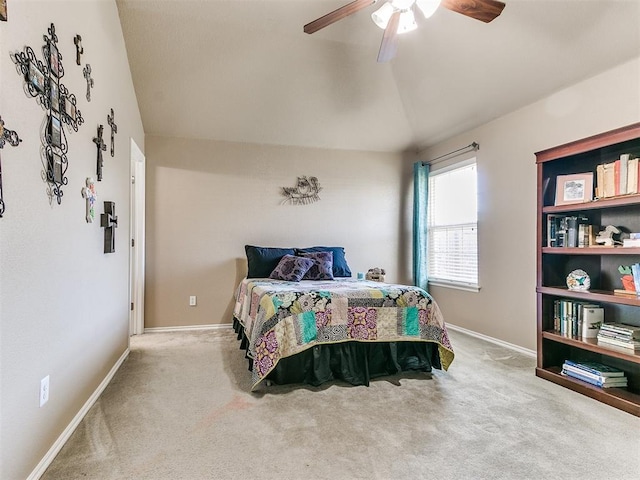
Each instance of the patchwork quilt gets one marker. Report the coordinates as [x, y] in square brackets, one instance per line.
[283, 318]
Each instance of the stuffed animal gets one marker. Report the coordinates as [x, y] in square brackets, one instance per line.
[376, 274]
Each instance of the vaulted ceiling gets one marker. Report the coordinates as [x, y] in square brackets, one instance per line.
[244, 71]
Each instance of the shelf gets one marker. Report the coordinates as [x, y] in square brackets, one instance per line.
[591, 250]
[590, 295]
[591, 345]
[621, 201]
[617, 397]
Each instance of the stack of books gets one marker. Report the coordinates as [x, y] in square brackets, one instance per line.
[620, 336]
[577, 319]
[619, 177]
[594, 373]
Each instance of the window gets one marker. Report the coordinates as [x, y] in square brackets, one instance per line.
[452, 223]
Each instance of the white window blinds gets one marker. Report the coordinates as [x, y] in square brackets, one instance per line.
[453, 226]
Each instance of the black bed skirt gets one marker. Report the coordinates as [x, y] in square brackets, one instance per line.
[354, 362]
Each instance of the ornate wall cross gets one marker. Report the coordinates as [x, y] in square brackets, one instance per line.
[109, 221]
[12, 138]
[77, 40]
[43, 81]
[114, 130]
[101, 148]
[86, 72]
[90, 194]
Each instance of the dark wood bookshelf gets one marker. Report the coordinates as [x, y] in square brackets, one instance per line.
[600, 263]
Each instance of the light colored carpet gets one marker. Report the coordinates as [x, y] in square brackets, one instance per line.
[180, 408]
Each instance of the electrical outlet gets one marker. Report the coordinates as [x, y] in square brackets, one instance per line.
[192, 301]
[44, 390]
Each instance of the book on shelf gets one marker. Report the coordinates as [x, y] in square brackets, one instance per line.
[631, 346]
[626, 293]
[618, 177]
[604, 382]
[622, 328]
[631, 242]
[596, 368]
[632, 176]
[635, 271]
[577, 319]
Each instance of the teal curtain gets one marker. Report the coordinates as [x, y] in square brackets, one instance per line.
[420, 200]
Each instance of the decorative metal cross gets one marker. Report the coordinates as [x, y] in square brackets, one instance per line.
[79, 48]
[90, 194]
[101, 148]
[10, 136]
[114, 130]
[109, 221]
[86, 71]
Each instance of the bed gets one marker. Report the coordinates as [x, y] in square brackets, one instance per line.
[316, 331]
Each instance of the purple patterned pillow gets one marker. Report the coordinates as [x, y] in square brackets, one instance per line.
[322, 268]
[291, 268]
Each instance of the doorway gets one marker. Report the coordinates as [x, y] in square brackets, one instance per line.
[137, 240]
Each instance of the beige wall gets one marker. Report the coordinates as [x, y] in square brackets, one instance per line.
[505, 306]
[63, 302]
[206, 200]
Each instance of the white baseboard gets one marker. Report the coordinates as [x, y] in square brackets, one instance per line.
[62, 439]
[511, 346]
[215, 326]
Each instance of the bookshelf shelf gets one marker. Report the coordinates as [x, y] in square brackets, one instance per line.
[621, 201]
[620, 398]
[591, 344]
[601, 264]
[591, 250]
[591, 295]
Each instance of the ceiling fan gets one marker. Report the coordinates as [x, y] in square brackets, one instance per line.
[397, 16]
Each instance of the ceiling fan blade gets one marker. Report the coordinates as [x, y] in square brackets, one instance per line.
[483, 10]
[389, 45]
[336, 15]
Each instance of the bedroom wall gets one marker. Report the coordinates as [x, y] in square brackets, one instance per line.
[63, 303]
[206, 200]
[505, 306]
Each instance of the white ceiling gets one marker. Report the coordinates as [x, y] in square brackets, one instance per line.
[244, 71]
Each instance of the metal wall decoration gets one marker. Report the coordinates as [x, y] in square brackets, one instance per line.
[109, 221]
[77, 40]
[101, 148]
[42, 81]
[86, 72]
[306, 191]
[114, 130]
[11, 137]
[90, 195]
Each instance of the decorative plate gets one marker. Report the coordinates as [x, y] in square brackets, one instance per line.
[578, 280]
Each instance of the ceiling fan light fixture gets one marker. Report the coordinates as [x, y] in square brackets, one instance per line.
[407, 22]
[428, 7]
[382, 16]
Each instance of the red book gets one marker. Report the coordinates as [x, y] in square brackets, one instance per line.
[616, 176]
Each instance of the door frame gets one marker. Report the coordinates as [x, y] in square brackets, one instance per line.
[137, 240]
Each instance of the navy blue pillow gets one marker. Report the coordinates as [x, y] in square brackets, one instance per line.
[340, 266]
[263, 260]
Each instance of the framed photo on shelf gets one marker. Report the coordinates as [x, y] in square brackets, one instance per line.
[576, 188]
